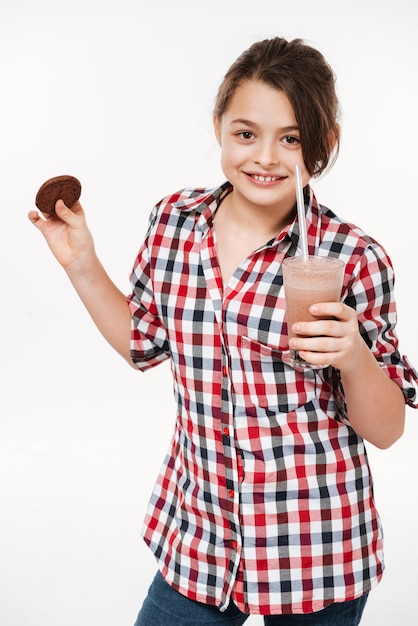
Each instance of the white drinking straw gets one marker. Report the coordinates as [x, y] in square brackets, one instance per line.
[301, 214]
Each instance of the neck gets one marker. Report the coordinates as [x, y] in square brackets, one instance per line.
[255, 219]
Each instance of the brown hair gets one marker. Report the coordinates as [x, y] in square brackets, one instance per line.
[304, 75]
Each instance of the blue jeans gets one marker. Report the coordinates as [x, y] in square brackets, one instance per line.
[164, 606]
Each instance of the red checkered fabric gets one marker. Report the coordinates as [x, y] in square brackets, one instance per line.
[265, 496]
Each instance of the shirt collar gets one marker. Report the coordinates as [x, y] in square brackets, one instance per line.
[201, 199]
[205, 201]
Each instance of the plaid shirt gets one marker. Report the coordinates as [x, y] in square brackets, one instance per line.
[265, 497]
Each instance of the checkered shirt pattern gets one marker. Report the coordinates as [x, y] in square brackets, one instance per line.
[265, 496]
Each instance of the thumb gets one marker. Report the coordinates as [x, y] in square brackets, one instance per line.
[70, 216]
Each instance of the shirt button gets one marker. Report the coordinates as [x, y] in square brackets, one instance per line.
[234, 544]
[226, 431]
[224, 370]
[231, 493]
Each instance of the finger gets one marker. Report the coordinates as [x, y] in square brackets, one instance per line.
[316, 344]
[75, 208]
[318, 359]
[34, 217]
[336, 310]
[330, 328]
[317, 353]
[69, 216]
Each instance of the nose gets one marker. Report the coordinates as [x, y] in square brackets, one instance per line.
[267, 153]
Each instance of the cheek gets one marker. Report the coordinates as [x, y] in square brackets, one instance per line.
[228, 157]
[296, 158]
[306, 177]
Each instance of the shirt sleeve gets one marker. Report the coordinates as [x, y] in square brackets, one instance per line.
[372, 296]
[149, 342]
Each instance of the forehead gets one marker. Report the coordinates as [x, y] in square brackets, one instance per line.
[258, 102]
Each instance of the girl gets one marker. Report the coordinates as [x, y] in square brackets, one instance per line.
[264, 504]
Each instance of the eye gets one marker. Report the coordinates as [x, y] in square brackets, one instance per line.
[246, 135]
[291, 141]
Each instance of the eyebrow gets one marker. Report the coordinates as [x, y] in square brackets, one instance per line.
[244, 122]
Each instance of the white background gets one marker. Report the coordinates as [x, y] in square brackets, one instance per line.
[120, 94]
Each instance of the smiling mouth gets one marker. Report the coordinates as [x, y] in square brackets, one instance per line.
[266, 179]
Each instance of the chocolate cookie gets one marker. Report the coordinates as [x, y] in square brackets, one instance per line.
[66, 188]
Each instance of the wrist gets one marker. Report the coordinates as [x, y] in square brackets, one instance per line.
[83, 267]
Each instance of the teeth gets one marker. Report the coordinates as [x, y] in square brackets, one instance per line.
[266, 179]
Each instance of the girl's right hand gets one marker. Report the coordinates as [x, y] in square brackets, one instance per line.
[70, 240]
[67, 235]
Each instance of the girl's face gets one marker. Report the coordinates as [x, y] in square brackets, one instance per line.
[260, 146]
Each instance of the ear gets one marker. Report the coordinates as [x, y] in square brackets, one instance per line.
[217, 128]
[333, 137]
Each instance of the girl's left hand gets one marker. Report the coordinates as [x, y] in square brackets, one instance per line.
[334, 341]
